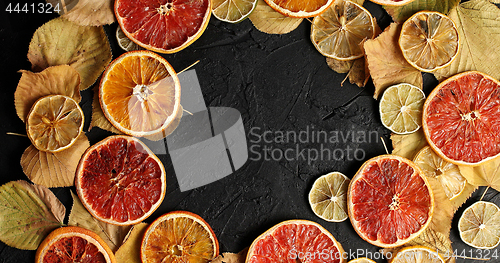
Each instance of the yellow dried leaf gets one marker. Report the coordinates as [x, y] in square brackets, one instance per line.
[113, 235]
[408, 145]
[401, 13]
[443, 208]
[436, 240]
[231, 257]
[60, 42]
[487, 174]
[86, 12]
[130, 250]
[54, 169]
[357, 69]
[269, 21]
[386, 62]
[98, 118]
[462, 198]
[57, 80]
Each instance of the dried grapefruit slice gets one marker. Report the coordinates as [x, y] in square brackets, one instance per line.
[120, 181]
[328, 197]
[164, 26]
[461, 119]
[73, 244]
[362, 260]
[389, 201]
[429, 41]
[179, 236]
[233, 11]
[479, 225]
[300, 8]
[417, 254]
[54, 123]
[140, 94]
[296, 241]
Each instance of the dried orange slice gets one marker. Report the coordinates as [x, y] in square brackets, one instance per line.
[362, 260]
[392, 2]
[300, 8]
[163, 26]
[54, 123]
[417, 254]
[296, 241]
[120, 180]
[389, 201]
[328, 197]
[429, 41]
[340, 31]
[479, 225]
[179, 236]
[140, 94]
[73, 244]
[461, 119]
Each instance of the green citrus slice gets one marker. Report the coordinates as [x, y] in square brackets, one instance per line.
[401, 108]
[328, 197]
[233, 11]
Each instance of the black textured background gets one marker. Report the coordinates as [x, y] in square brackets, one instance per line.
[278, 83]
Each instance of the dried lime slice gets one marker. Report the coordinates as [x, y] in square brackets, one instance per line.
[124, 42]
[479, 225]
[233, 11]
[328, 197]
[401, 108]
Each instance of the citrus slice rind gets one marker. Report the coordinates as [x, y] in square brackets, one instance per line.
[392, 2]
[429, 41]
[124, 42]
[448, 174]
[401, 108]
[179, 236]
[233, 11]
[361, 260]
[71, 244]
[417, 254]
[461, 121]
[120, 181]
[389, 201]
[328, 197]
[479, 225]
[341, 30]
[300, 8]
[54, 123]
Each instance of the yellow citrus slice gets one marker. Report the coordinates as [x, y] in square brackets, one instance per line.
[429, 41]
[328, 197]
[140, 94]
[124, 42]
[361, 260]
[340, 31]
[392, 2]
[54, 123]
[233, 11]
[417, 254]
[401, 108]
[300, 8]
[479, 225]
[446, 173]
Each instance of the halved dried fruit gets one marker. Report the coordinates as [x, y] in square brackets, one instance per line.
[479, 225]
[233, 11]
[417, 254]
[300, 8]
[328, 197]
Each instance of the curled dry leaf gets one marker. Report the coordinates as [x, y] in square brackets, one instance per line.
[269, 21]
[487, 174]
[113, 235]
[98, 118]
[86, 12]
[401, 13]
[60, 42]
[408, 145]
[231, 257]
[130, 250]
[386, 62]
[54, 169]
[57, 80]
[28, 213]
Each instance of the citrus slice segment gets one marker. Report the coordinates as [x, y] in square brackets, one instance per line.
[446, 173]
[179, 236]
[461, 119]
[300, 8]
[120, 180]
[163, 26]
[479, 225]
[392, 2]
[296, 241]
[389, 201]
[401, 108]
[362, 260]
[140, 94]
[429, 41]
[124, 42]
[54, 123]
[340, 31]
[328, 197]
[417, 254]
[73, 244]
[233, 11]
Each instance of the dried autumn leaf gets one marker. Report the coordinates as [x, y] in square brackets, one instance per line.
[443, 208]
[113, 235]
[130, 250]
[269, 21]
[478, 24]
[231, 257]
[28, 213]
[386, 62]
[54, 169]
[436, 240]
[487, 174]
[401, 13]
[98, 118]
[408, 145]
[86, 12]
[60, 42]
[57, 80]
[462, 198]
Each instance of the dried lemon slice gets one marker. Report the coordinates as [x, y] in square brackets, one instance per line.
[479, 225]
[417, 254]
[361, 260]
[328, 197]
[233, 11]
[124, 42]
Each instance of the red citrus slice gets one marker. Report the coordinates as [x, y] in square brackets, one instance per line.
[461, 118]
[295, 241]
[120, 181]
[389, 201]
[164, 26]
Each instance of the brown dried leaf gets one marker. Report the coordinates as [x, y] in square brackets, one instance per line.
[60, 42]
[98, 118]
[54, 169]
[386, 62]
[57, 80]
[231, 257]
[408, 145]
[269, 21]
[113, 235]
[86, 12]
[130, 250]
[487, 174]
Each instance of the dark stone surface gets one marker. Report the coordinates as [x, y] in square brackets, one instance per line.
[278, 83]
